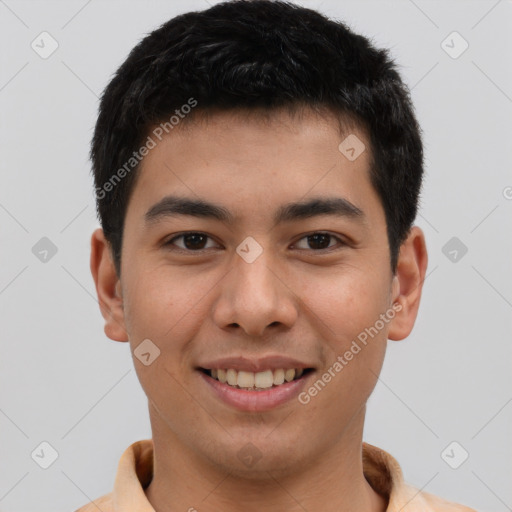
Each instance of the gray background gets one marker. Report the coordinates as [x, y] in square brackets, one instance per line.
[62, 381]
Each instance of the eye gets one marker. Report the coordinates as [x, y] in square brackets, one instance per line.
[193, 241]
[196, 241]
[319, 241]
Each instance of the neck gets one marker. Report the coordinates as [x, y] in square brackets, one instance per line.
[332, 482]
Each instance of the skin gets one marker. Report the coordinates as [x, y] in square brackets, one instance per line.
[294, 299]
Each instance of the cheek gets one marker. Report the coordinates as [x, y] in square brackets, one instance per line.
[346, 302]
[160, 302]
[159, 308]
[360, 339]
[349, 306]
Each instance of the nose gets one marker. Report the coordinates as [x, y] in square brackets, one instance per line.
[255, 297]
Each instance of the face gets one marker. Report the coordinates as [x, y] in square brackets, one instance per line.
[284, 267]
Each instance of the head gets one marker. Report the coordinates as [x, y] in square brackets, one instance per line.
[259, 127]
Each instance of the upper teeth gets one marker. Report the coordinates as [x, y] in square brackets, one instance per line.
[260, 380]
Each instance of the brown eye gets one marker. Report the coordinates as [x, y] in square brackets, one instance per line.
[194, 241]
[190, 241]
[319, 241]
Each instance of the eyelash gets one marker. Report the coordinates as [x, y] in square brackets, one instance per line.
[341, 243]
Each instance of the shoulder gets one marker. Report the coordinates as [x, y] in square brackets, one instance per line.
[384, 474]
[104, 503]
[436, 503]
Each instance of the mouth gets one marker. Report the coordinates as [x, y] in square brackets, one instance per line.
[255, 384]
[260, 391]
[256, 381]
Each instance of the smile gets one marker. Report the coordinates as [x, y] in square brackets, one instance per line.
[255, 391]
[256, 381]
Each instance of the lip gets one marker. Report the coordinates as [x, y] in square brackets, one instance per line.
[255, 365]
[255, 401]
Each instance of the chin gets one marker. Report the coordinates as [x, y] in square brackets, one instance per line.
[254, 457]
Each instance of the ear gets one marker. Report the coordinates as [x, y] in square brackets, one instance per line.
[108, 287]
[408, 284]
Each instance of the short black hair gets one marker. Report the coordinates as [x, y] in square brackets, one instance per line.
[257, 55]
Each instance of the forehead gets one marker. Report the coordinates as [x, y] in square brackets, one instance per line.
[253, 161]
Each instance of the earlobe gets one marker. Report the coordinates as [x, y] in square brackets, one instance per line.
[408, 283]
[108, 287]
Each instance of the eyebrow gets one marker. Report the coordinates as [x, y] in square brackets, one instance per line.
[171, 206]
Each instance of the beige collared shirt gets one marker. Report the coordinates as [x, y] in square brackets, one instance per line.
[381, 470]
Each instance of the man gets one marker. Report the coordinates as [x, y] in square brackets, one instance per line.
[257, 170]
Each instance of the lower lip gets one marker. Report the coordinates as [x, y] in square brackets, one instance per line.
[256, 401]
